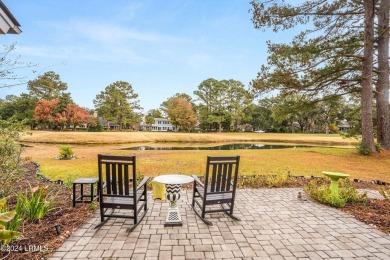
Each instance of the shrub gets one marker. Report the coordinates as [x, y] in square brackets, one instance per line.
[66, 153]
[364, 149]
[98, 127]
[323, 194]
[347, 193]
[258, 181]
[6, 217]
[10, 164]
[281, 179]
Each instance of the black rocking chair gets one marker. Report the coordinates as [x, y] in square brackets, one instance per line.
[118, 189]
[219, 187]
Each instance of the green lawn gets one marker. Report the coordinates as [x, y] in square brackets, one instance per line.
[71, 137]
[296, 161]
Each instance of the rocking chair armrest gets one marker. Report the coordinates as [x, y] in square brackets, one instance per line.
[143, 182]
[196, 179]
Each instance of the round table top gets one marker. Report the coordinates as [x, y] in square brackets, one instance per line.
[336, 175]
[173, 179]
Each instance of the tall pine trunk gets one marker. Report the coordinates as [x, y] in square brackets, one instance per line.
[367, 123]
[382, 88]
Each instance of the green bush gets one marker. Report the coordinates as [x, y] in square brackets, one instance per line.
[281, 179]
[98, 127]
[10, 164]
[364, 149]
[66, 153]
[347, 193]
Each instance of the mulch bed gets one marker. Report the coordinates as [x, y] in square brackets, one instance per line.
[40, 238]
[375, 212]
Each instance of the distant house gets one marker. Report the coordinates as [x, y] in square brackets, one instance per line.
[112, 125]
[159, 125]
[245, 128]
[343, 126]
[71, 127]
[8, 23]
[108, 125]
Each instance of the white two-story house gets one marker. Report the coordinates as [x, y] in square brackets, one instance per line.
[159, 125]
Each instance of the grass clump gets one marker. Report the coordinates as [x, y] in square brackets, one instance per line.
[322, 194]
[385, 192]
[66, 153]
[69, 181]
[35, 203]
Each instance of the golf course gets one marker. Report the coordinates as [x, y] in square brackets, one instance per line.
[320, 152]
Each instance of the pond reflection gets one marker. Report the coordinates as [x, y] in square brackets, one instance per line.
[217, 147]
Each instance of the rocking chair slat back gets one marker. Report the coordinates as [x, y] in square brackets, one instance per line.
[117, 171]
[222, 170]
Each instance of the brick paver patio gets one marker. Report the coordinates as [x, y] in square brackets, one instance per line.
[274, 225]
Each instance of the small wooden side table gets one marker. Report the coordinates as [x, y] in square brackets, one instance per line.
[81, 182]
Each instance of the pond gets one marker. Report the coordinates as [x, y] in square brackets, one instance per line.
[216, 147]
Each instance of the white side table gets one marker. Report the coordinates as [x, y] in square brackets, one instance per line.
[173, 184]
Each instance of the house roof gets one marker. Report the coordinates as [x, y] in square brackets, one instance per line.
[8, 23]
[344, 124]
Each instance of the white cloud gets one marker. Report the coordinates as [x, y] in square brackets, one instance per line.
[107, 32]
[101, 42]
[73, 53]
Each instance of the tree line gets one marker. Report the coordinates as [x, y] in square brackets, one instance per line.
[218, 105]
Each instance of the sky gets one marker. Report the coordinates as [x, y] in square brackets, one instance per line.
[160, 47]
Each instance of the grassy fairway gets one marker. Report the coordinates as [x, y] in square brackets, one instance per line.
[298, 161]
[56, 137]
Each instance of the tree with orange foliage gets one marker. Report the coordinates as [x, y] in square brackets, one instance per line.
[60, 120]
[181, 113]
[75, 115]
[45, 112]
